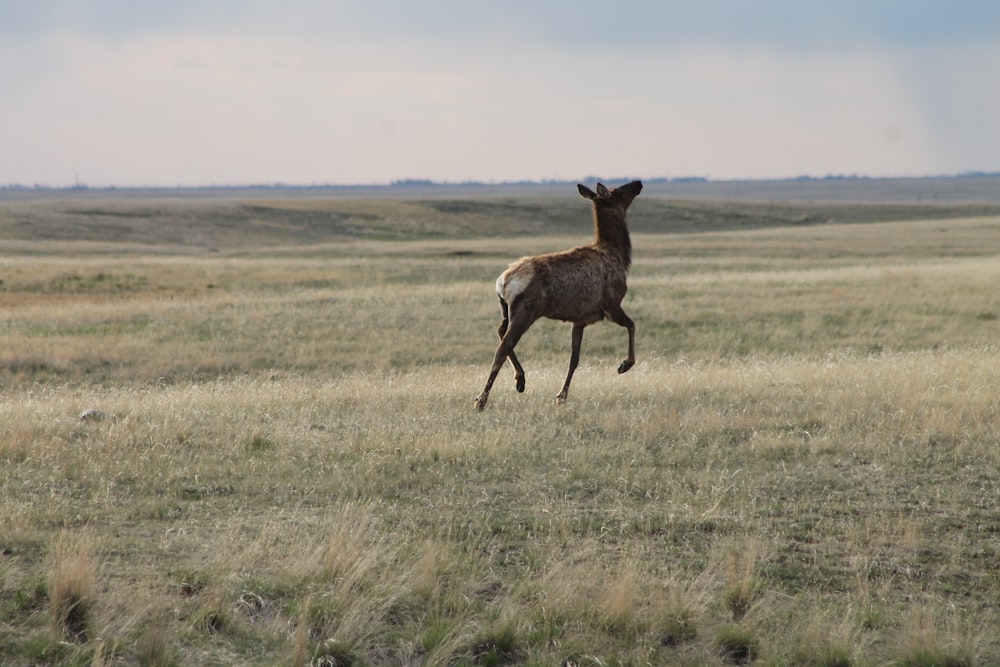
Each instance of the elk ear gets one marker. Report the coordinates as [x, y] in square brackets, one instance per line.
[603, 191]
[586, 192]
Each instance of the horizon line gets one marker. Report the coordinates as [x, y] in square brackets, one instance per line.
[425, 183]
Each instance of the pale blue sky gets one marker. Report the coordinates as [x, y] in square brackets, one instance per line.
[123, 92]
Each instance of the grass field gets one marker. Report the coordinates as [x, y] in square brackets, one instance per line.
[243, 433]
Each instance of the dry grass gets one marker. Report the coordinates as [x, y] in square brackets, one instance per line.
[801, 468]
[72, 588]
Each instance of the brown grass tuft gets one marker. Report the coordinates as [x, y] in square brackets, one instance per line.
[620, 603]
[72, 587]
[743, 583]
[932, 639]
[154, 648]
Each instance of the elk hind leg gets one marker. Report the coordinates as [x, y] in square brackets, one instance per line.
[502, 331]
[513, 334]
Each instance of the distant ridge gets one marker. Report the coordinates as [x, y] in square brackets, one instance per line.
[969, 187]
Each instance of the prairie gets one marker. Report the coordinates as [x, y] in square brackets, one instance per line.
[243, 433]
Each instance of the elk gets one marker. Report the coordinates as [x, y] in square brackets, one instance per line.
[582, 286]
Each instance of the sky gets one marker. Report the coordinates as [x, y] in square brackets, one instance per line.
[239, 92]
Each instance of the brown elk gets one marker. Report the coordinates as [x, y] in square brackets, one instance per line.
[582, 286]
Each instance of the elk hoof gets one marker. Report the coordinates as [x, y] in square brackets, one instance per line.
[625, 365]
[520, 384]
[561, 398]
[480, 402]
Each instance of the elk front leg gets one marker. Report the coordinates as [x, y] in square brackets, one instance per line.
[618, 316]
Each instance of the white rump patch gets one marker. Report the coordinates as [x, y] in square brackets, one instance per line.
[514, 281]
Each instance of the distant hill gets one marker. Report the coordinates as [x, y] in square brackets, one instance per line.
[971, 188]
[215, 219]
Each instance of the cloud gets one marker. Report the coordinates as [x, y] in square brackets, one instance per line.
[374, 91]
[567, 24]
[951, 85]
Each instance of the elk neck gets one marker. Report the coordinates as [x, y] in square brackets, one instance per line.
[612, 233]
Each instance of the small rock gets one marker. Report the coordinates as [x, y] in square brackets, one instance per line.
[94, 415]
